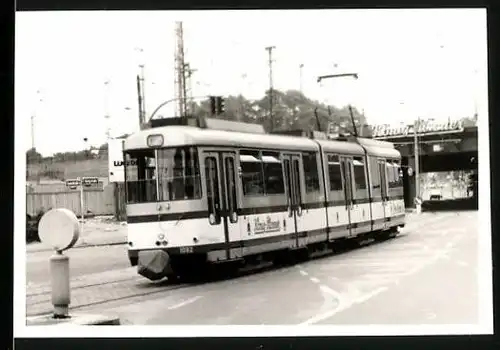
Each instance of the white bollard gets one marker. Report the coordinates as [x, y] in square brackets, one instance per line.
[60, 229]
[60, 283]
[418, 205]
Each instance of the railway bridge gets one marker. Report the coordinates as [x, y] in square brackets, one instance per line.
[449, 146]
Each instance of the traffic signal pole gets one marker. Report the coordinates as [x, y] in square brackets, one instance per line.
[216, 105]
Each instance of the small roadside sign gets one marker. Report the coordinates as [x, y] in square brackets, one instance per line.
[410, 171]
[73, 183]
[89, 181]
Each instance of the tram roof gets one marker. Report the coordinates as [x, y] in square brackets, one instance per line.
[379, 148]
[178, 136]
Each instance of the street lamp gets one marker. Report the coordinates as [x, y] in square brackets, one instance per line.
[354, 75]
[342, 75]
[167, 102]
[86, 147]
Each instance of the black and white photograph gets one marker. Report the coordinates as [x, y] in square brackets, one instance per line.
[252, 173]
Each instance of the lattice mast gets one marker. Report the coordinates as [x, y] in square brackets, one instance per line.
[180, 71]
[190, 106]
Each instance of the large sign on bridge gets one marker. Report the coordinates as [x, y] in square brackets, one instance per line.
[425, 127]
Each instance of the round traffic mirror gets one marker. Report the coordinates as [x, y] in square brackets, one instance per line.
[59, 228]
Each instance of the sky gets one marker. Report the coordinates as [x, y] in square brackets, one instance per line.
[411, 63]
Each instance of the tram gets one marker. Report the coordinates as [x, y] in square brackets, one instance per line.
[209, 191]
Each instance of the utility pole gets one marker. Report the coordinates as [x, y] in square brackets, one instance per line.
[143, 93]
[39, 99]
[270, 51]
[106, 109]
[416, 127]
[300, 85]
[139, 100]
[180, 77]
[33, 132]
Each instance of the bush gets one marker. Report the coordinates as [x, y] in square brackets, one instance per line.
[32, 227]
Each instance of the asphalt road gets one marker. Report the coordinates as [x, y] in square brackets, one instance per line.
[83, 261]
[426, 275]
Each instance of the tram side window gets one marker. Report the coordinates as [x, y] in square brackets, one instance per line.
[140, 168]
[359, 173]
[391, 179]
[334, 173]
[398, 176]
[252, 176]
[375, 174]
[179, 174]
[273, 173]
[310, 165]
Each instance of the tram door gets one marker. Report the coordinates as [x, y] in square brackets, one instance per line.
[382, 168]
[345, 169]
[222, 197]
[292, 163]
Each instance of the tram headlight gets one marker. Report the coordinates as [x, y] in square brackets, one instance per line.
[155, 140]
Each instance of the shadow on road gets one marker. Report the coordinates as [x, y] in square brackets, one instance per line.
[219, 273]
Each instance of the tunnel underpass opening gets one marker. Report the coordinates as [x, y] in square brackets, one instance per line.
[448, 162]
[440, 173]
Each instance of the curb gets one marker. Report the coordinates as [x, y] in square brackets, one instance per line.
[83, 245]
[75, 320]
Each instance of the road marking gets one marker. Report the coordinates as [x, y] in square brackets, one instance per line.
[184, 303]
[314, 279]
[328, 290]
[431, 316]
[370, 295]
[342, 305]
[303, 273]
[386, 278]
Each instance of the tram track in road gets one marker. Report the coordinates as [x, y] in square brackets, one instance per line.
[47, 290]
[128, 287]
[102, 293]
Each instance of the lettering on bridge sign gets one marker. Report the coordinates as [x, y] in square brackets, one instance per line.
[425, 127]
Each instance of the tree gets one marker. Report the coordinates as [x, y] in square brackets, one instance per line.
[32, 156]
[291, 110]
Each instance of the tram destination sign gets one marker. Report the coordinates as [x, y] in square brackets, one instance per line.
[425, 127]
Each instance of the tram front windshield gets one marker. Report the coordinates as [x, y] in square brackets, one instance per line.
[167, 174]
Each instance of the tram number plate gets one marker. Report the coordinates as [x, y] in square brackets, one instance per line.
[185, 250]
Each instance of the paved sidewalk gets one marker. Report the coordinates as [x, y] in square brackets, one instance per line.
[96, 232]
